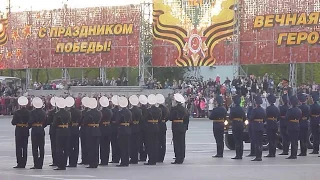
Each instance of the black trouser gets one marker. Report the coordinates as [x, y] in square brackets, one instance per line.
[285, 139]
[22, 150]
[303, 136]
[143, 146]
[93, 150]
[53, 148]
[293, 137]
[179, 145]
[238, 141]
[84, 151]
[252, 141]
[124, 145]
[162, 145]
[272, 139]
[315, 133]
[218, 135]
[258, 136]
[115, 147]
[104, 149]
[73, 150]
[152, 147]
[62, 151]
[37, 150]
[134, 146]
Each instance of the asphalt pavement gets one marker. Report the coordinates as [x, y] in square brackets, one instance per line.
[198, 164]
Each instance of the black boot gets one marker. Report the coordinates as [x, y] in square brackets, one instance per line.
[285, 149]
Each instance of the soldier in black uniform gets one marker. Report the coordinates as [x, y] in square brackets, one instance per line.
[61, 122]
[219, 115]
[314, 122]
[304, 125]
[154, 116]
[257, 119]
[38, 122]
[114, 131]
[105, 138]
[135, 129]
[20, 120]
[180, 122]
[283, 125]
[74, 132]
[84, 151]
[293, 116]
[237, 117]
[52, 131]
[250, 128]
[162, 128]
[124, 120]
[91, 121]
[272, 114]
[143, 128]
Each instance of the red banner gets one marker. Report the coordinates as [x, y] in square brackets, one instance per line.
[71, 38]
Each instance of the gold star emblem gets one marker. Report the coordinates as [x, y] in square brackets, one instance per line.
[18, 53]
[15, 35]
[27, 31]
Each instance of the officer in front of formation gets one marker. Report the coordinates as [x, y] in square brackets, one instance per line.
[61, 123]
[20, 120]
[314, 122]
[92, 132]
[250, 128]
[180, 122]
[124, 120]
[162, 128]
[52, 130]
[114, 130]
[237, 117]
[154, 115]
[272, 114]
[37, 122]
[219, 115]
[283, 124]
[135, 129]
[293, 116]
[143, 128]
[304, 125]
[257, 119]
[105, 130]
[74, 132]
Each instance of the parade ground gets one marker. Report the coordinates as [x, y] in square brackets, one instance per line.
[199, 165]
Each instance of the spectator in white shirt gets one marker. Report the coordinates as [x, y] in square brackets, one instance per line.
[211, 104]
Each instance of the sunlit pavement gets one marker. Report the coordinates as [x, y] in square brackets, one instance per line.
[198, 164]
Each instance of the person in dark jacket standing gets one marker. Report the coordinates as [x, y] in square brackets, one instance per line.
[20, 120]
[257, 119]
[314, 122]
[250, 128]
[38, 122]
[92, 121]
[61, 122]
[304, 125]
[52, 130]
[153, 130]
[74, 132]
[143, 128]
[83, 128]
[114, 130]
[272, 114]
[162, 128]
[237, 117]
[293, 116]
[218, 116]
[105, 138]
[283, 124]
[124, 120]
[180, 122]
[135, 129]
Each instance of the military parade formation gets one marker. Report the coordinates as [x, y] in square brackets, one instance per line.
[135, 129]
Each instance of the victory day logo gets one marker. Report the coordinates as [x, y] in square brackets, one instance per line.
[195, 27]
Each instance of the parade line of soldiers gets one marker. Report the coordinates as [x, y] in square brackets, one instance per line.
[134, 127]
